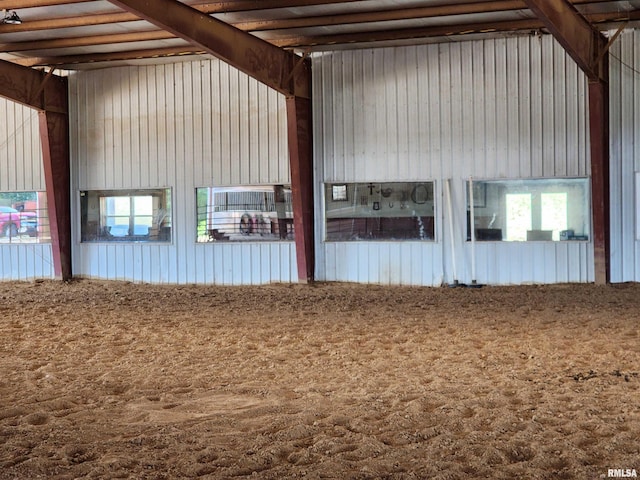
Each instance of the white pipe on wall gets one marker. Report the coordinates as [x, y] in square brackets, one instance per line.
[447, 185]
[472, 226]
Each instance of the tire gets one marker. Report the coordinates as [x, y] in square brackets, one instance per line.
[10, 230]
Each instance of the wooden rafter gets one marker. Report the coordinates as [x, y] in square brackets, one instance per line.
[47, 93]
[574, 32]
[224, 6]
[257, 58]
[282, 39]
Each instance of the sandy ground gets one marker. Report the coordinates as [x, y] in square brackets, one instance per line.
[116, 380]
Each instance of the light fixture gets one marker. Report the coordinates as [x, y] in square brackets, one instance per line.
[10, 17]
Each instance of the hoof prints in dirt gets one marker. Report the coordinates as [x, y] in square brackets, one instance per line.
[579, 377]
[330, 381]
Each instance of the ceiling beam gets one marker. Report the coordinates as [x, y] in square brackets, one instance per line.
[273, 24]
[293, 41]
[231, 5]
[405, 33]
[275, 67]
[227, 6]
[584, 43]
[281, 41]
[85, 41]
[33, 88]
[383, 15]
[14, 4]
[532, 24]
[285, 23]
[123, 17]
[88, 58]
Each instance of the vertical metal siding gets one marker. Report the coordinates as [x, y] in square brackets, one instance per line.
[180, 125]
[501, 108]
[624, 84]
[20, 151]
[21, 169]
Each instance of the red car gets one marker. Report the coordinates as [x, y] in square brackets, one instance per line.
[13, 222]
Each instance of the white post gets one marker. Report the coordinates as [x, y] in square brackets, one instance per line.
[447, 185]
[472, 222]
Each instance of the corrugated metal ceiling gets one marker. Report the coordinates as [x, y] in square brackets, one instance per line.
[91, 34]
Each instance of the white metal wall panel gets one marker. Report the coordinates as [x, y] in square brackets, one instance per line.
[180, 125]
[624, 82]
[20, 152]
[501, 108]
[21, 169]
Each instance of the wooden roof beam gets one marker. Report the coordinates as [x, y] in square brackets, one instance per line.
[273, 66]
[15, 4]
[295, 22]
[123, 17]
[530, 24]
[584, 43]
[35, 89]
[68, 61]
[226, 6]
[283, 42]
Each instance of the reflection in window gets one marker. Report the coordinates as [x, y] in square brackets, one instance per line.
[380, 211]
[530, 210]
[518, 216]
[244, 213]
[126, 215]
[554, 213]
[24, 218]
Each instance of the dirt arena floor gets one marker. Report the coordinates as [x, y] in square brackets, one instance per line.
[116, 380]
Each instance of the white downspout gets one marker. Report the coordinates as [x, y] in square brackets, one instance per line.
[447, 185]
[472, 225]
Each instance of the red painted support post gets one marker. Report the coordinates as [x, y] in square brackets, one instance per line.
[54, 136]
[588, 47]
[47, 93]
[301, 164]
[599, 134]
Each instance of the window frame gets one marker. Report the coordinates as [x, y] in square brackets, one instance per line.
[28, 210]
[393, 199]
[568, 234]
[251, 213]
[95, 214]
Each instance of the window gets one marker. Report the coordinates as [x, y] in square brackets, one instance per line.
[244, 213]
[530, 210]
[24, 218]
[126, 215]
[380, 211]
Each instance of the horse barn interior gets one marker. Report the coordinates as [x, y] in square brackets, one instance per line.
[217, 220]
[379, 142]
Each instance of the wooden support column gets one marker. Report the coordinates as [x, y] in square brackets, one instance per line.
[588, 47]
[301, 163]
[600, 202]
[47, 93]
[54, 137]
